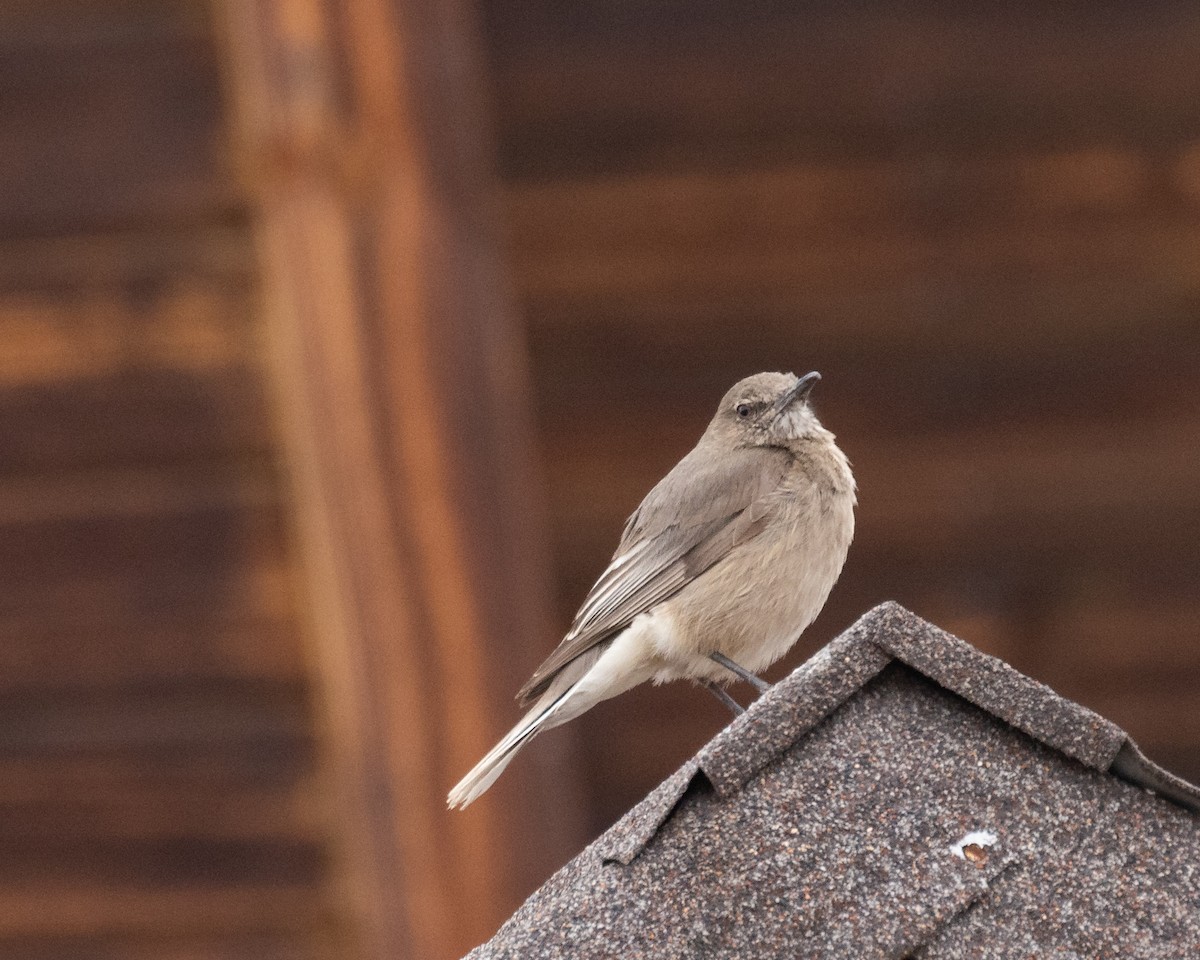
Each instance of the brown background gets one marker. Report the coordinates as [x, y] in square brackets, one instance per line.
[981, 225]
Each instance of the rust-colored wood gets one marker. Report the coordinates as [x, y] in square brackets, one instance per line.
[301, 945]
[931, 194]
[111, 117]
[97, 911]
[403, 393]
[199, 256]
[159, 795]
[125, 372]
[596, 87]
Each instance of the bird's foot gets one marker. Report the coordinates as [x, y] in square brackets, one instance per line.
[755, 681]
[721, 694]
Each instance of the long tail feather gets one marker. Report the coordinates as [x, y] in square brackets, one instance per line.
[608, 669]
[548, 711]
[485, 772]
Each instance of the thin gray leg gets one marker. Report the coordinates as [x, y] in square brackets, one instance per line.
[720, 693]
[757, 682]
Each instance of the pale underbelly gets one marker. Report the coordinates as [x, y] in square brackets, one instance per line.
[752, 609]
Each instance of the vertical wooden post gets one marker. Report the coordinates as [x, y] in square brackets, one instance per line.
[403, 393]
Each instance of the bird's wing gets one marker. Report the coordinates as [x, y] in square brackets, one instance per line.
[695, 515]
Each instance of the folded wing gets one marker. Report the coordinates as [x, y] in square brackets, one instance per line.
[693, 517]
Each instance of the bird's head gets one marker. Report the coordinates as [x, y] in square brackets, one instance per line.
[768, 410]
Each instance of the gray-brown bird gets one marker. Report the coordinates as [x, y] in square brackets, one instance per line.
[720, 569]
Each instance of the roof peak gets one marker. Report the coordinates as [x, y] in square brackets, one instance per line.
[884, 635]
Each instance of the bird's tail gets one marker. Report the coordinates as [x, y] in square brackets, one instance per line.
[485, 772]
[555, 706]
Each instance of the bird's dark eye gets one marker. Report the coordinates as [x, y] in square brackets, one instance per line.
[742, 410]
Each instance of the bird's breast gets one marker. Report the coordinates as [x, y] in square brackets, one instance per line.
[753, 605]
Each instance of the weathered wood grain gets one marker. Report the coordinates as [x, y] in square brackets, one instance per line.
[265, 945]
[111, 119]
[604, 87]
[159, 789]
[405, 409]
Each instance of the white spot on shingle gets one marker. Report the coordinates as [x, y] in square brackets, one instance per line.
[976, 838]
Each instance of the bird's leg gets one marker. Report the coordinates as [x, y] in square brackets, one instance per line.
[720, 693]
[758, 683]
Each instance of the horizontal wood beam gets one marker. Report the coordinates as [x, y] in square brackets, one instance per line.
[670, 86]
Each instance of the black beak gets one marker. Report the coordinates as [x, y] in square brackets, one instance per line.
[798, 393]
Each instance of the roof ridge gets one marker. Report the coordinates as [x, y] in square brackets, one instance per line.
[888, 633]
[998, 688]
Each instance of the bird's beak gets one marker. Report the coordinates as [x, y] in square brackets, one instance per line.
[798, 393]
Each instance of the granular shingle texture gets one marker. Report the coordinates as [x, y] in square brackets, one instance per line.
[899, 795]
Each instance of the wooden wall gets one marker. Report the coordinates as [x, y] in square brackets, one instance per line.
[980, 223]
[158, 788]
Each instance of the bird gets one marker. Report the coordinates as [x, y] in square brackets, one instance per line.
[718, 571]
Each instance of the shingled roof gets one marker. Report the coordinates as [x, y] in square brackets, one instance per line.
[899, 795]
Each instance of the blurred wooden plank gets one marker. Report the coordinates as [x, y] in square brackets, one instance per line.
[402, 385]
[248, 946]
[110, 496]
[157, 373]
[148, 912]
[752, 266]
[191, 556]
[1160, 717]
[69, 648]
[996, 527]
[181, 324]
[108, 120]
[1017, 578]
[239, 592]
[158, 792]
[137, 262]
[165, 862]
[957, 307]
[1044, 477]
[195, 717]
[43, 804]
[145, 576]
[604, 87]
[983, 572]
[940, 194]
[148, 416]
[282, 767]
[78, 21]
[1101, 639]
[1137, 664]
